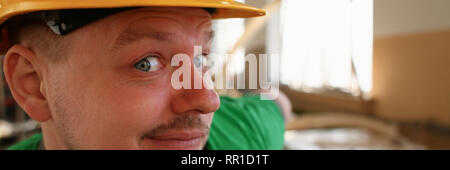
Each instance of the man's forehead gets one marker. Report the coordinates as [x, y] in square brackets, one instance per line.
[168, 19]
[169, 12]
[183, 10]
[164, 24]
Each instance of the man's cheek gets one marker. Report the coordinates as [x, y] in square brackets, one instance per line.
[135, 110]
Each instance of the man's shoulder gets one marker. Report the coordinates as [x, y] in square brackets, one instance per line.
[246, 122]
[31, 143]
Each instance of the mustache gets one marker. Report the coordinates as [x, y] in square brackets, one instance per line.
[186, 121]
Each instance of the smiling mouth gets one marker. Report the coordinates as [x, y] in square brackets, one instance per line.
[176, 140]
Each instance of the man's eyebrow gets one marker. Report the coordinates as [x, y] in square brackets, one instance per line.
[128, 37]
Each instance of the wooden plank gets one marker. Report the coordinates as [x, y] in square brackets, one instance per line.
[312, 102]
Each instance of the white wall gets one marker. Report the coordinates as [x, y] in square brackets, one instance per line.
[392, 17]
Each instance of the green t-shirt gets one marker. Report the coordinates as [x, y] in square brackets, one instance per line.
[245, 123]
[32, 143]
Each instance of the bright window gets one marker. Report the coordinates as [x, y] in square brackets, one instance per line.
[319, 40]
[227, 33]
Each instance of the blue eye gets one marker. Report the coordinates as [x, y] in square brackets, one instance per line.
[202, 61]
[148, 64]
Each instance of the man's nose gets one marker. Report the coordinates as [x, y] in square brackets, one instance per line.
[195, 99]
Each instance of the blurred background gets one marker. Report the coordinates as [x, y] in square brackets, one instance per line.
[361, 74]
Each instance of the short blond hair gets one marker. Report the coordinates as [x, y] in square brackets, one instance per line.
[36, 36]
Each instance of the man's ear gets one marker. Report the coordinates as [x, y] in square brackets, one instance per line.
[24, 80]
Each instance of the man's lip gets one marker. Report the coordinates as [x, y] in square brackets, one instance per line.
[178, 135]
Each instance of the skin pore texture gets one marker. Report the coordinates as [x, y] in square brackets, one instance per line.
[96, 98]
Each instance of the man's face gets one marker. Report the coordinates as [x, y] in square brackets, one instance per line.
[114, 90]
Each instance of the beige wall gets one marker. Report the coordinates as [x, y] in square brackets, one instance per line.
[412, 60]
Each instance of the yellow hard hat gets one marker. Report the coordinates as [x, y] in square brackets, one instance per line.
[225, 8]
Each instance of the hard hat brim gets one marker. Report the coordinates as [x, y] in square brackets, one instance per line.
[225, 8]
